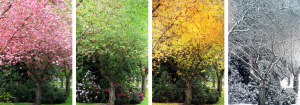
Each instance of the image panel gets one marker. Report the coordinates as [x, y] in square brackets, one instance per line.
[112, 52]
[188, 52]
[35, 52]
[263, 53]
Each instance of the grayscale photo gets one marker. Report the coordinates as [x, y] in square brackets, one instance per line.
[264, 53]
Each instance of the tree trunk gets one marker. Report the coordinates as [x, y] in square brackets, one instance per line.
[61, 82]
[188, 93]
[38, 93]
[262, 93]
[220, 85]
[112, 97]
[144, 84]
[214, 82]
[289, 81]
[68, 77]
[296, 83]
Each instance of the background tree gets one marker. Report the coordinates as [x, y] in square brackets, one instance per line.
[218, 65]
[185, 31]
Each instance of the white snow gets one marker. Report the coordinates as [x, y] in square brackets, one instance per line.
[284, 83]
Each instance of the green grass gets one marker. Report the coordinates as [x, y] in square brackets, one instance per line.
[58, 83]
[68, 102]
[88, 103]
[210, 83]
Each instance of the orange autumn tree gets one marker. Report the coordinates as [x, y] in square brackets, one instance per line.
[186, 34]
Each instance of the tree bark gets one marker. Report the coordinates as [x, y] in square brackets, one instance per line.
[296, 83]
[38, 93]
[112, 97]
[219, 85]
[61, 82]
[144, 84]
[262, 93]
[68, 77]
[289, 81]
[188, 93]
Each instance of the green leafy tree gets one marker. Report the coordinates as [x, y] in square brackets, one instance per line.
[112, 34]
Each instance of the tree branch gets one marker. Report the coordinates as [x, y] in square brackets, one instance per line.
[83, 33]
[80, 1]
[6, 9]
[156, 7]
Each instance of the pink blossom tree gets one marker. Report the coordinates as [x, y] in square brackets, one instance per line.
[35, 33]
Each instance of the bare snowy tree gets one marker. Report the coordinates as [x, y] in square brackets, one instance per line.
[261, 35]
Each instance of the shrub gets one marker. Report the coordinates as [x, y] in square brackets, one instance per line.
[18, 84]
[89, 91]
[169, 88]
[6, 97]
[60, 96]
[247, 91]
[213, 96]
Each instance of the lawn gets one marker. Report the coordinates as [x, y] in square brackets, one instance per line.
[88, 103]
[58, 83]
[216, 84]
[68, 102]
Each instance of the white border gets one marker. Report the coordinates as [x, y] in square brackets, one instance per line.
[150, 52]
[74, 52]
[226, 52]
